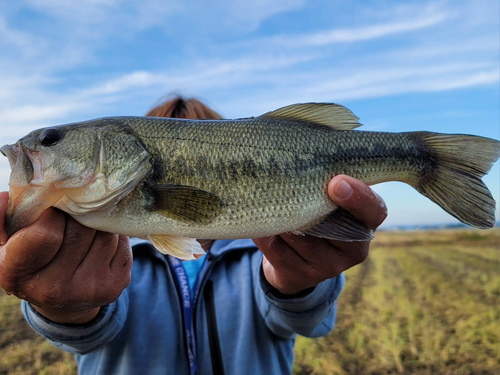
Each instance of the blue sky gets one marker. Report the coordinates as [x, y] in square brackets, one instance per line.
[398, 65]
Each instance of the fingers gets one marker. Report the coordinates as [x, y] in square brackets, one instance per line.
[107, 267]
[123, 256]
[328, 258]
[350, 254]
[101, 252]
[121, 264]
[4, 201]
[30, 250]
[361, 201]
[108, 261]
[64, 268]
[312, 249]
[74, 247]
[283, 267]
[298, 262]
[78, 283]
[278, 252]
[33, 247]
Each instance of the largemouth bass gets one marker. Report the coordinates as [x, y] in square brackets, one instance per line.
[174, 180]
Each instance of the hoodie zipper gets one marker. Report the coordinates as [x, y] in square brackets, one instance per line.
[189, 339]
[214, 343]
[213, 333]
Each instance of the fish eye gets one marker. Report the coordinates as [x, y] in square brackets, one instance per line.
[50, 137]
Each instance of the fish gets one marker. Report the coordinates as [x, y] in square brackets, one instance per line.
[172, 181]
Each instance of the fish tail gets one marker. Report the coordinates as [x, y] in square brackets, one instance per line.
[452, 179]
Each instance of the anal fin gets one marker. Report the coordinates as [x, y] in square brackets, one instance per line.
[179, 247]
[340, 225]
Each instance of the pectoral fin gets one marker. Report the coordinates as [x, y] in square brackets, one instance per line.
[340, 225]
[186, 203]
[179, 247]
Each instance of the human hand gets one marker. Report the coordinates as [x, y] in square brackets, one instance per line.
[295, 263]
[65, 270]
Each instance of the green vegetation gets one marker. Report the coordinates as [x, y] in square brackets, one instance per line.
[423, 303]
[23, 352]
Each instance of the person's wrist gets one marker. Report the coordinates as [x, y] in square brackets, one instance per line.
[291, 292]
[76, 317]
[288, 291]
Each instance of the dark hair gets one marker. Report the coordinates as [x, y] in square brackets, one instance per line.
[182, 108]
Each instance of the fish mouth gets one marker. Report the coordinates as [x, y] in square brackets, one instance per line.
[26, 200]
[21, 165]
[10, 152]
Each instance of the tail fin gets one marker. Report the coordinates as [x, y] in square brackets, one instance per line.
[454, 181]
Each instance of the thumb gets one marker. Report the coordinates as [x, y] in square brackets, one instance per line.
[4, 202]
[357, 198]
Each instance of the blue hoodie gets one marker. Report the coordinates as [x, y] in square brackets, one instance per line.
[240, 325]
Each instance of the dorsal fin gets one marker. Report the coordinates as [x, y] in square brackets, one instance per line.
[332, 115]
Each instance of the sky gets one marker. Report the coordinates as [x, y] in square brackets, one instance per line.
[398, 65]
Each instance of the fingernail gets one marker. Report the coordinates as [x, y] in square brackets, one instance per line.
[343, 190]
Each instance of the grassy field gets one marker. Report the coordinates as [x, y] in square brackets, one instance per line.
[423, 303]
[22, 352]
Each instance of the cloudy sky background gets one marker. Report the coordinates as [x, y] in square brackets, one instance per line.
[400, 66]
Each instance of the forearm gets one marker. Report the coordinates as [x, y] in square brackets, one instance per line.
[78, 317]
[81, 338]
[310, 314]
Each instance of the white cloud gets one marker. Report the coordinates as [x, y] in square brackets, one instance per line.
[212, 73]
[370, 82]
[250, 14]
[376, 82]
[395, 20]
[357, 34]
[87, 10]
[435, 49]
[320, 85]
[32, 113]
[122, 17]
[87, 15]
[35, 91]
[12, 36]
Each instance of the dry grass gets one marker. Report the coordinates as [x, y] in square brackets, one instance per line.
[23, 352]
[423, 303]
